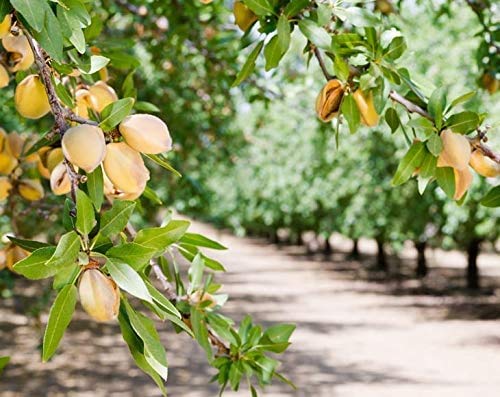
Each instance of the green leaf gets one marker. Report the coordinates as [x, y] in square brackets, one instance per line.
[295, 6]
[249, 65]
[115, 112]
[95, 187]
[67, 275]
[4, 360]
[97, 62]
[115, 220]
[315, 34]
[201, 332]
[64, 95]
[272, 53]
[147, 107]
[392, 119]
[201, 241]
[446, 180]
[434, 144]
[492, 198]
[260, 7]
[66, 251]
[59, 318]
[463, 122]
[280, 333]
[428, 167]
[128, 279]
[422, 123]
[85, 216]
[189, 251]
[396, 48]
[34, 266]
[411, 161]
[158, 159]
[196, 273]
[28, 245]
[162, 301]
[50, 36]
[436, 105]
[76, 8]
[136, 347]
[5, 8]
[136, 255]
[341, 68]
[153, 349]
[462, 98]
[32, 10]
[351, 113]
[160, 238]
[284, 33]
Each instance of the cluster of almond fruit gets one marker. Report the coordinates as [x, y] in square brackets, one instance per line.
[458, 154]
[85, 146]
[16, 170]
[330, 98]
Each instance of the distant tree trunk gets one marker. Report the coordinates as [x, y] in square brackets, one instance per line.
[473, 251]
[381, 256]
[327, 249]
[355, 248]
[299, 239]
[421, 269]
[273, 236]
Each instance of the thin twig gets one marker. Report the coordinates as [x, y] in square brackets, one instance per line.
[410, 106]
[322, 64]
[71, 116]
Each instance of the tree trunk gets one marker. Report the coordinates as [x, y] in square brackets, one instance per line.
[381, 256]
[355, 249]
[327, 249]
[421, 269]
[273, 236]
[473, 251]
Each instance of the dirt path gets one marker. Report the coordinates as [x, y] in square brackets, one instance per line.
[353, 338]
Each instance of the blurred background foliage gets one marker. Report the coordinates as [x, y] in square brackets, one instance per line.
[255, 158]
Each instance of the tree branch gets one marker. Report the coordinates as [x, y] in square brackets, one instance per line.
[410, 106]
[322, 64]
[55, 106]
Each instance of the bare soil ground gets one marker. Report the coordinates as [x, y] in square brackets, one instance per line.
[358, 334]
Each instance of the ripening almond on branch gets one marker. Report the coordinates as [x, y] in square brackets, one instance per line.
[146, 133]
[329, 99]
[484, 165]
[20, 53]
[99, 295]
[84, 146]
[125, 168]
[31, 99]
[364, 101]
[30, 189]
[5, 26]
[59, 180]
[4, 77]
[456, 151]
[101, 95]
